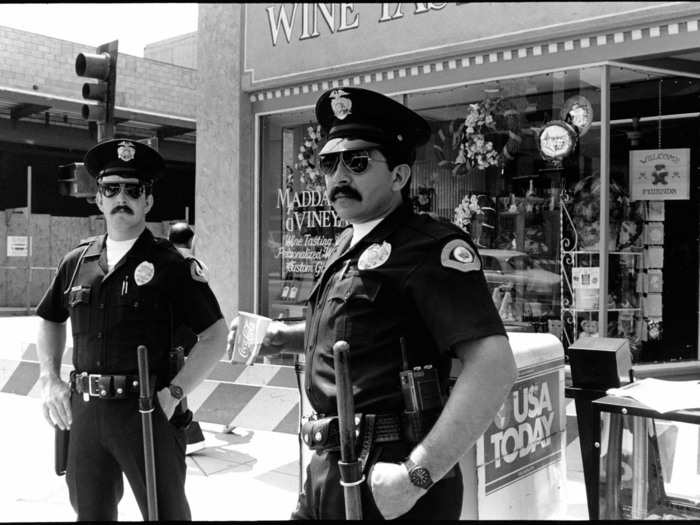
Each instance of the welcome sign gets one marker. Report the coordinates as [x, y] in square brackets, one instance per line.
[660, 174]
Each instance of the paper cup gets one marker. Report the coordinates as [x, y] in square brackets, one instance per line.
[249, 336]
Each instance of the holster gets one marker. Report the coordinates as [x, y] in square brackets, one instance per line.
[182, 416]
[321, 434]
[61, 450]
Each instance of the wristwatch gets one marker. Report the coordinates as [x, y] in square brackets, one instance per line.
[176, 391]
[419, 476]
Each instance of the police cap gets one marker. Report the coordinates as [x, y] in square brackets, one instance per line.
[125, 158]
[356, 118]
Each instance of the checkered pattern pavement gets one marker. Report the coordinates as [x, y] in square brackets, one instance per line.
[260, 397]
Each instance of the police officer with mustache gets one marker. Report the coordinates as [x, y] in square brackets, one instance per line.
[398, 287]
[121, 290]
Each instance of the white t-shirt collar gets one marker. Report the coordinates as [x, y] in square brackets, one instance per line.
[360, 230]
[116, 250]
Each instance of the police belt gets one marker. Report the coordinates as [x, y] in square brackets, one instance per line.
[104, 386]
[321, 433]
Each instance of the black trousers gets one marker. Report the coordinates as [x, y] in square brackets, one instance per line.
[323, 499]
[106, 440]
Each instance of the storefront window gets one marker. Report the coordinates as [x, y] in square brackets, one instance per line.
[484, 171]
[535, 218]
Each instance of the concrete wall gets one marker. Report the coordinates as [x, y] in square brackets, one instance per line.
[180, 50]
[222, 195]
[42, 64]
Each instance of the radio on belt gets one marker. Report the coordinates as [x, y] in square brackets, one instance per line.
[423, 400]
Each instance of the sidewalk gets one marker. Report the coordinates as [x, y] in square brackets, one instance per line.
[251, 475]
[248, 475]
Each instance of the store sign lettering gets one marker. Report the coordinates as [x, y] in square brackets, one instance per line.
[298, 218]
[662, 174]
[520, 439]
[309, 224]
[335, 17]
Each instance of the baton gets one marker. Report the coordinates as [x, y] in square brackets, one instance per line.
[146, 409]
[348, 466]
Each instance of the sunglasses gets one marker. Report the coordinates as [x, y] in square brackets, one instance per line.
[112, 189]
[356, 161]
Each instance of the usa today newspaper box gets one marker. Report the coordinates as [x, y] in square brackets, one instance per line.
[517, 470]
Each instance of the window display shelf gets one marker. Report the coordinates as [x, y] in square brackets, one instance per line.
[595, 252]
[595, 310]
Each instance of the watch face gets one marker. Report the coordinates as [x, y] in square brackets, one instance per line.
[176, 391]
[420, 477]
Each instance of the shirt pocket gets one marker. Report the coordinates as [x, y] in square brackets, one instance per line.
[79, 298]
[353, 303]
[140, 311]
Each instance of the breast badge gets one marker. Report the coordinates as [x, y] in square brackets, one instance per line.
[459, 255]
[374, 256]
[144, 273]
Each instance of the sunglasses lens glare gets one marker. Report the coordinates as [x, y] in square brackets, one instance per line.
[328, 163]
[356, 161]
[110, 190]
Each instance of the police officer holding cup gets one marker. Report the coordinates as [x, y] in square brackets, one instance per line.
[405, 291]
[121, 290]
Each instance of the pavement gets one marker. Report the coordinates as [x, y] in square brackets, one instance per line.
[247, 475]
[244, 475]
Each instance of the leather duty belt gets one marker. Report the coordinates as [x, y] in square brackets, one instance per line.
[104, 386]
[322, 433]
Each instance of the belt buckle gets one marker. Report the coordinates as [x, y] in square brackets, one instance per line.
[93, 382]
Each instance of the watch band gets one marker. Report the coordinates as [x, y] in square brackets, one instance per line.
[419, 476]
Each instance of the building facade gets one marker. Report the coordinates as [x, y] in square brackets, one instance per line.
[565, 140]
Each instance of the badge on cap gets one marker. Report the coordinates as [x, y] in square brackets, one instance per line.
[458, 254]
[340, 105]
[144, 273]
[374, 256]
[198, 271]
[126, 151]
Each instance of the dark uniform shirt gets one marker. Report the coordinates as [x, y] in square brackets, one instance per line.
[152, 289]
[416, 291]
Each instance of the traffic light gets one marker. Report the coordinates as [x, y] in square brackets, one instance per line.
[75, 181]
[101, 66]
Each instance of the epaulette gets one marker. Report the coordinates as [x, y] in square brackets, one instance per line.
[165, 244]
[436, 226]
[88, 240]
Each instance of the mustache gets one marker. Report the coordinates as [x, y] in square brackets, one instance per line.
[125, 209]
[344, 191]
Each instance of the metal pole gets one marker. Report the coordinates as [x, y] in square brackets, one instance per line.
[29, 241]
[146, 409]
[349, 467]
[604, 199]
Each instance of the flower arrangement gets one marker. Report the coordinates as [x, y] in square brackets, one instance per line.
[474, 213]
[466, 211]
[309, 176]
[474, 149]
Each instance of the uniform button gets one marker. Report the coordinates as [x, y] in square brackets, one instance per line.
[97, 363]
[102, 306]
[99, 335]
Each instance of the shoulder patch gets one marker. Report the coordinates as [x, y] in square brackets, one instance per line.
[459, 255]
[198, 271]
